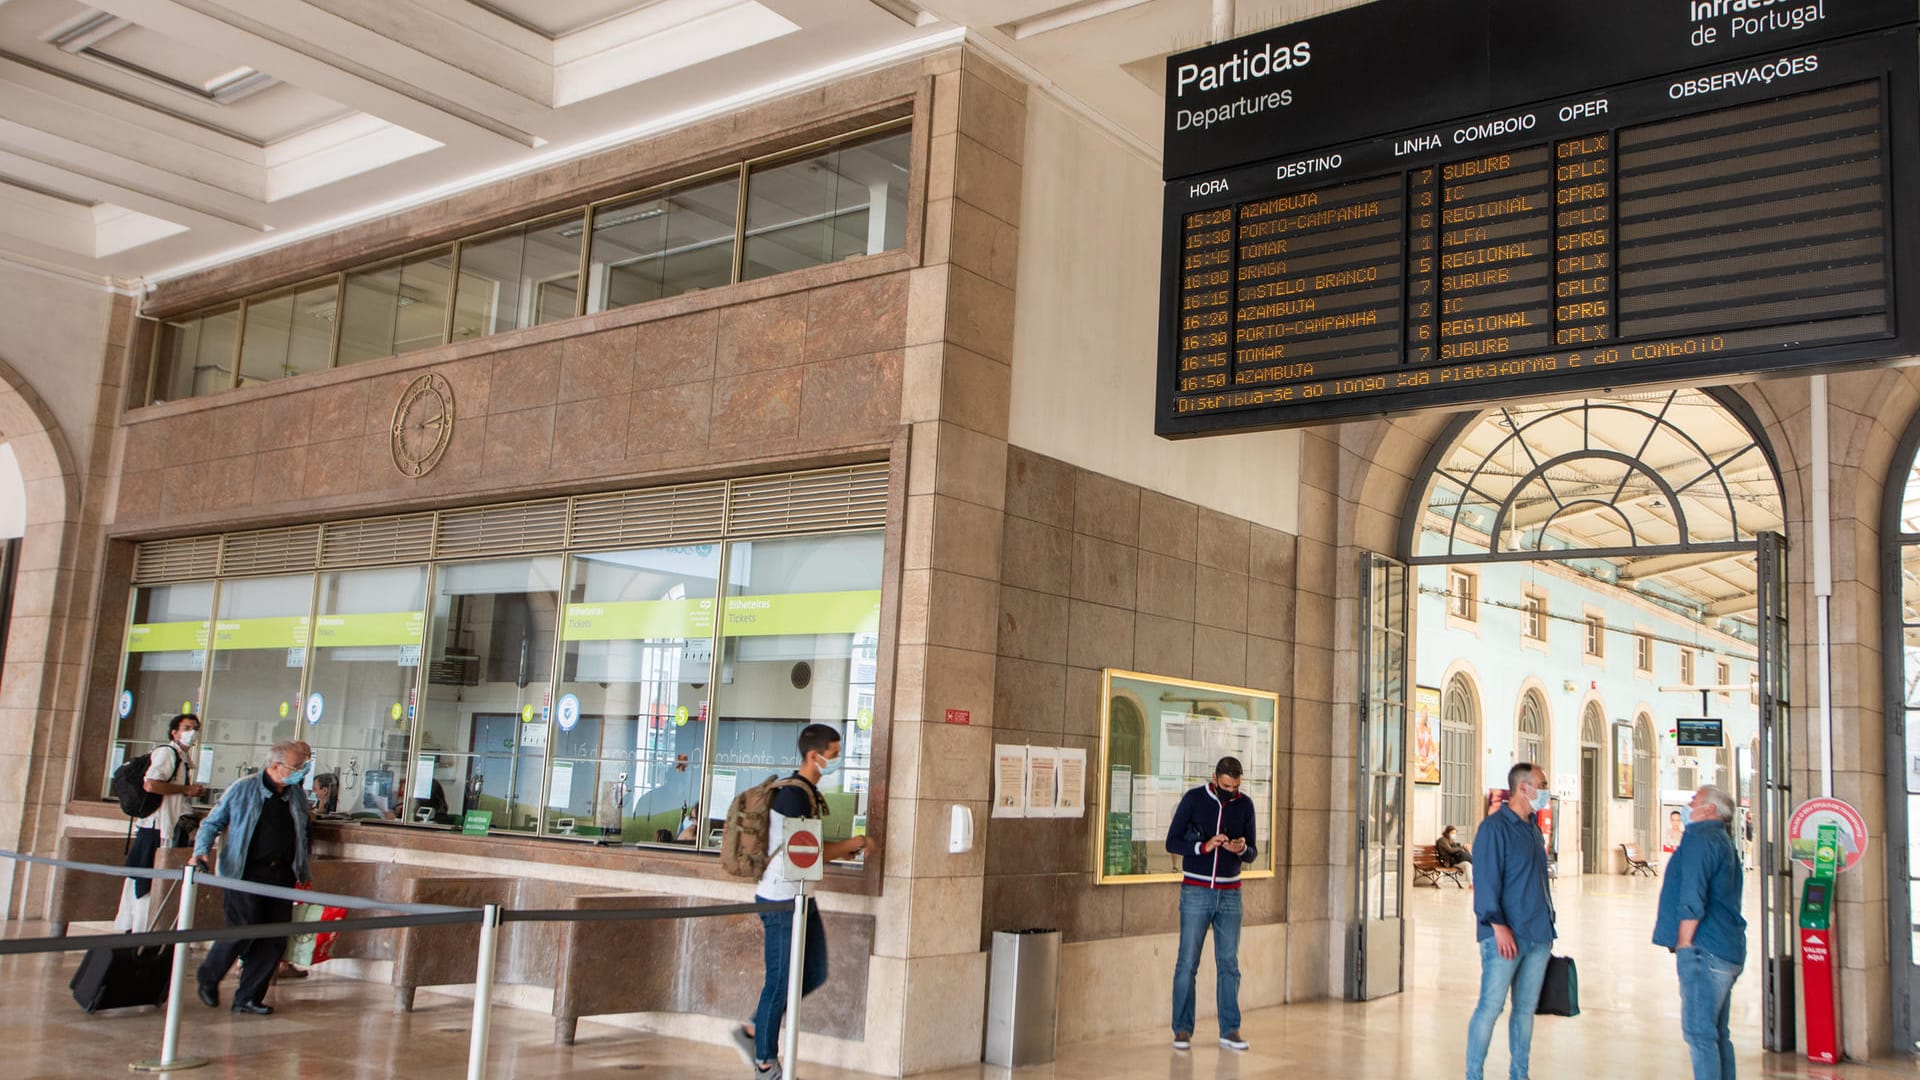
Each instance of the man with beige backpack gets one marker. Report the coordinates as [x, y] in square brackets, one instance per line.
[751, 844]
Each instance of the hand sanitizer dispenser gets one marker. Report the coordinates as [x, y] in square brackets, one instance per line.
[961, 838]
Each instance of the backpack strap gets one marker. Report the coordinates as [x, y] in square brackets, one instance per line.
[819, 801]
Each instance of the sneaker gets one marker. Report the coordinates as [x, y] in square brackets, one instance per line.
[1183, 1040]
[772, 1072]
[1232, 1041]
[743, 1043]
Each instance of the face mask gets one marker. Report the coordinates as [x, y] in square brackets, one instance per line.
[830, 768]
[187, 737]
[299, 775]
[1541, 799]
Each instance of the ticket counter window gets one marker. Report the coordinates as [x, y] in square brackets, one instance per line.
[526, 276]
[258, 656]
[799, 640]
[850, 200]
[361, 691]
[480, 738]
[166, 654]
[629, 732]
[662, 245]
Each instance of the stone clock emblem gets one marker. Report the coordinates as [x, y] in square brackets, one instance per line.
[422, 425]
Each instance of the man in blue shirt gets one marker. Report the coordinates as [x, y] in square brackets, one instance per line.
[1515, 919]
[1699, 921]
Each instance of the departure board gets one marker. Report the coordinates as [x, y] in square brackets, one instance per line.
[1697, 226]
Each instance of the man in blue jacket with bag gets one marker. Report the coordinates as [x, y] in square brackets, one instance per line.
[264, 818]
[1213, 833]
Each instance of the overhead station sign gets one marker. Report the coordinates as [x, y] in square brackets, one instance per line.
[1409, 204]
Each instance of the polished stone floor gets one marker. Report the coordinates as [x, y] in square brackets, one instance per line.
[329, 1029]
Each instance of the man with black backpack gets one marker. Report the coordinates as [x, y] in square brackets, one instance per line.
[793, 798]
[164, 786]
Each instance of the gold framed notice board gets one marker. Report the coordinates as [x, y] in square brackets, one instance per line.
[1159, 738]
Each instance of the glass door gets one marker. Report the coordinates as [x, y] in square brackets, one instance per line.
[1378, 945]
[1774, 799]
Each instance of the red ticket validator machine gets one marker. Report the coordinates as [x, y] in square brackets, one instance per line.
[1816, 951]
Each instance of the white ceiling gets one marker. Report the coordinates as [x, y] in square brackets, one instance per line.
[146, 138]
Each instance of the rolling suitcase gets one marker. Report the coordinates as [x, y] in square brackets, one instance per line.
[119, 978]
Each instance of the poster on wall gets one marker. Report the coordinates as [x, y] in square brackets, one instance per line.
[1009, 781]
[1622, 761]
[1673, 825]
[1425, 765]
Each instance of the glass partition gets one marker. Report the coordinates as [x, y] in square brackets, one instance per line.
[395, 308]
[166, 656]
[663, 245]
[850, 200]
[196, 355]
[289, 334]
[525, 276]
[801, 628]
[481, 733]
[629, 737]
[258, 656]
[364, 676]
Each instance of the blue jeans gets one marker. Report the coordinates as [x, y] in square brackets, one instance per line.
[1706, 987]
[1498, 975]
[1201, 908]
[773, 995]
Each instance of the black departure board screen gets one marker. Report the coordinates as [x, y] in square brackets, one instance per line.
[1694, 226]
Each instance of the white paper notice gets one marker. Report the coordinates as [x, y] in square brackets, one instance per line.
[423, 778]
[725, 782]
[1073, 784]
[1173, 743]
[560, 790]
[1009, 781]
[1043, 772]
[1120, 791]
[1146, 809]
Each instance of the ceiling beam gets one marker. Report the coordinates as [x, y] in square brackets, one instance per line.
[1643, 569]
[1733, 605]
[325, 71]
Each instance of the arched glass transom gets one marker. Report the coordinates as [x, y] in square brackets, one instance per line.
[1593, 725]
[1460, 757]
[1612, 475]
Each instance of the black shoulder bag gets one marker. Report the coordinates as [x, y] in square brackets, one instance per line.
[1560, 987]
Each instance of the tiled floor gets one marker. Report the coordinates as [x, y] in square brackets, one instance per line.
[330, 1029]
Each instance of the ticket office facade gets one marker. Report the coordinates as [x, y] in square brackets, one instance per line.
[581, 549]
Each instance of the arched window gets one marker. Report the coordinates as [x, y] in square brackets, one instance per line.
[1593, 725]
[1460, 757]
[1530, 743]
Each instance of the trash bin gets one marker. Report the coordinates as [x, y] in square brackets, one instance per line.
[1023, 990]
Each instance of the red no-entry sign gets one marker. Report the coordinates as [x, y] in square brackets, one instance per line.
[803, 849]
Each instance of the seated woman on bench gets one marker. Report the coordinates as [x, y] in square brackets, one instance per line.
[1450, 851]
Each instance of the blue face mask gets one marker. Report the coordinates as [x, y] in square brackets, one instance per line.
[830, 768]
[299, 775]
[1541, 799]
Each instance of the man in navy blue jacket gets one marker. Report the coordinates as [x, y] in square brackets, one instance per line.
[1515, 920]
[1213, 833]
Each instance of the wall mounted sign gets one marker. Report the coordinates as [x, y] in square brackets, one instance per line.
[1803, 833]
[1407, 205]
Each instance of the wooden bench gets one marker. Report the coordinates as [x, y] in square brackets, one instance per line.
[1636, 864]
[1427, 867]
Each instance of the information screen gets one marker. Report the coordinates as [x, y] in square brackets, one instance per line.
[1698, 732]
[1692, 226]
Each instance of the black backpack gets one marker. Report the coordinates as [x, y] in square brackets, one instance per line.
[130, 786]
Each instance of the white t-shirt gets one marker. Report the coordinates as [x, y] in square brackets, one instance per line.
[773, 883]
[163, 769]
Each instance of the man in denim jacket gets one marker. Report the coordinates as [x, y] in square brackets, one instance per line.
[1699, 921]
[265, 820]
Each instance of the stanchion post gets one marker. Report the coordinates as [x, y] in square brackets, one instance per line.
[796, 974]
[483, 993]
[176, 991]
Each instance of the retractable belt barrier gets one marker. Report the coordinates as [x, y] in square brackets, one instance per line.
[489, 918]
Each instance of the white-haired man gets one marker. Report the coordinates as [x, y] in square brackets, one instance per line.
[1699, 921]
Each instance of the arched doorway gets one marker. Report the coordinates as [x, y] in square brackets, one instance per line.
[1666, 497]
[1644, 779]
[1593, 730]
[1460, 757]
